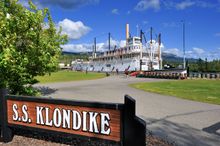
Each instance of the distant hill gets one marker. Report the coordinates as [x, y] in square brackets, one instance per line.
[173, 58]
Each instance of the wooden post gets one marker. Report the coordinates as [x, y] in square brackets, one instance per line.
[199, 75]
[208, 76]
[3, 92]
[134, 127]
[1, 107]
[7, 134]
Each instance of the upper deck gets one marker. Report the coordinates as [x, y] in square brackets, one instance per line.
[134, 46]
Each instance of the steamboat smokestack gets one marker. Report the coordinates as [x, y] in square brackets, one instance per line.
[94, 47]
[159, 51]
[141, 35]
[127, 34]
[109, 41]
[151, 33]
[159, 39]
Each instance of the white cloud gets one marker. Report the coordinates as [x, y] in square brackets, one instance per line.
[187, 4]
[168, 4]
[171, 24]
[215, 54]
[100, 47]
[115, 11]
[145, 22]
[204, 4]
[217, 34]
[113, 43]
[147, 4]
[154, 45]
[122, 43]
[77, 47]
[198, 51]
[193, 53]
[174, 51]
[74, 30]
[184, 4]
[179, 5]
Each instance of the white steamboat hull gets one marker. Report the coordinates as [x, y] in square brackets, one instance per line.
[114, 65]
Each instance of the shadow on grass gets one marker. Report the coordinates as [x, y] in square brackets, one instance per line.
[45, 90]
[180, 134]
[213, 129]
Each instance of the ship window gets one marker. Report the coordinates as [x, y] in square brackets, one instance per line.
[108, 65]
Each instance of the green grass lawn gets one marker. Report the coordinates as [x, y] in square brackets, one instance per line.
[198, 90]
[65, 76]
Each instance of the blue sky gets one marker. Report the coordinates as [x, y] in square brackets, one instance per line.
[83, 20]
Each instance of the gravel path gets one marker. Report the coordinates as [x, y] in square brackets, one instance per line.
[33, 138]
[45, 140]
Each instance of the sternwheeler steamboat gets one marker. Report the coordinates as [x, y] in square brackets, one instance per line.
[138, 54]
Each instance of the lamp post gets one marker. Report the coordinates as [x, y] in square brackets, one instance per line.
[184, 50]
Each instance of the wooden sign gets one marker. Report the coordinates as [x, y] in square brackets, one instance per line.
[86, 121]
[106, 122]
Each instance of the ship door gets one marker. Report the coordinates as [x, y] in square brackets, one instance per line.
[108, 67]
[143, 66]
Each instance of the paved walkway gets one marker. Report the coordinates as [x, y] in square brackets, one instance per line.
[180, 121]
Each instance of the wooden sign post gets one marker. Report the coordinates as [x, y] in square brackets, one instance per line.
[104, 122]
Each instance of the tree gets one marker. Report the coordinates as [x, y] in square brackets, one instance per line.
[29, 46]
[201, 65]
